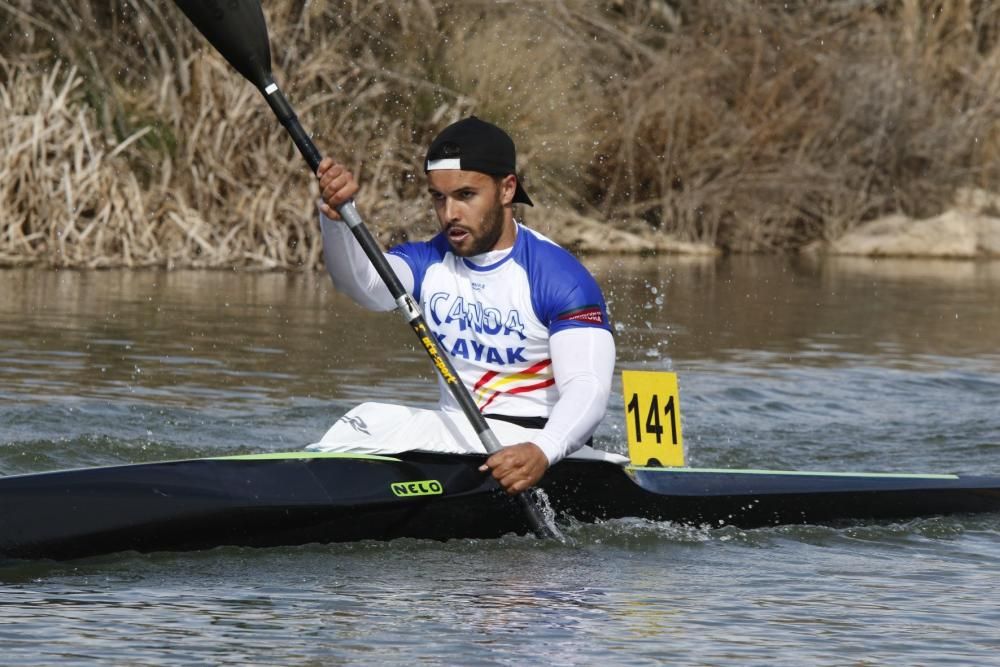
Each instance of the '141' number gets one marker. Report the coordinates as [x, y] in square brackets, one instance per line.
[653, 424]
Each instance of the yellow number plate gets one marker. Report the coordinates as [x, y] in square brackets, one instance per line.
[653, 418]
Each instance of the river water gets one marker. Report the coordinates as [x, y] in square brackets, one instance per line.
[783, 363]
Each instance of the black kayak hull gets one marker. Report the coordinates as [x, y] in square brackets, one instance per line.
[289, 499]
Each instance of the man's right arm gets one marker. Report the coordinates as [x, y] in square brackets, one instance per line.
[351, 270]
[348, 265]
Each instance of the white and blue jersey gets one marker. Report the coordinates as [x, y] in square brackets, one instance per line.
[495, 319]
[526, 327]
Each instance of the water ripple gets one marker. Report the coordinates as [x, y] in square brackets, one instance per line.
[781, 365]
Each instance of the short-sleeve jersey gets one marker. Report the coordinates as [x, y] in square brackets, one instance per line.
[495, 321]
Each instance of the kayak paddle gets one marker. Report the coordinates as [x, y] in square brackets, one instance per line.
[236, 28]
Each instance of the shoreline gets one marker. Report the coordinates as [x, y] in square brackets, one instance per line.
[968, 231]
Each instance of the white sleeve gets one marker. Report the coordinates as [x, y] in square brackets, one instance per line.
[583, 361]
[351, 270]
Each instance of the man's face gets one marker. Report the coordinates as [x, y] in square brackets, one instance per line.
[473, 209]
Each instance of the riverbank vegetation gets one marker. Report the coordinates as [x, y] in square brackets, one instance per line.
[750, 126]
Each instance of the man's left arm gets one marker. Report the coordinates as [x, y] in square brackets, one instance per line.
[583, 362]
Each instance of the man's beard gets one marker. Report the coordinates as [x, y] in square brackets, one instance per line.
[492, 230]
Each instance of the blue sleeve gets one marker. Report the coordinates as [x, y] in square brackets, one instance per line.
[419, 255]
[563, 293]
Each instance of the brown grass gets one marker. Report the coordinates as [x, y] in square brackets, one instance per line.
[749, 125]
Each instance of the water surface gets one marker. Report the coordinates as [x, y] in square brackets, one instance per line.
[784, 363]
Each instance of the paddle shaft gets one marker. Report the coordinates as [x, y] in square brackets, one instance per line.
[406, 306]
[237, 29]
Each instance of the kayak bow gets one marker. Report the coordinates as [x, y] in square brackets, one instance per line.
[305, 497]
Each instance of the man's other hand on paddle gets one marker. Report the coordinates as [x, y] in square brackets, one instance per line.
[517, 467]
[336, 186]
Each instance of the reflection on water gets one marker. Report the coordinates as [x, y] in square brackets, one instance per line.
[192, 337]
[182, 337]
[932, 272]
[783, 362]
[802, 311]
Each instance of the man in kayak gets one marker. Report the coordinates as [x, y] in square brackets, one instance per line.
[523, 321]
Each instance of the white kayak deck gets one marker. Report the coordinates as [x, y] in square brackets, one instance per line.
[385, 428]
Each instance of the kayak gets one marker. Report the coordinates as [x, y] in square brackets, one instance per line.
[297, 498]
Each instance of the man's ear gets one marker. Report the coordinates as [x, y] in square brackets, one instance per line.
[508, 186]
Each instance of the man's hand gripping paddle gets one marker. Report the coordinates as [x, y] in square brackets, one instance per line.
[236, 28]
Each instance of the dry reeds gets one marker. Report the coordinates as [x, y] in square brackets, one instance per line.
[65, 195]
[766, 125]
[750, 125]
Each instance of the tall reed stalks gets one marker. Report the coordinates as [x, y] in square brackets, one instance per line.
[754, 126]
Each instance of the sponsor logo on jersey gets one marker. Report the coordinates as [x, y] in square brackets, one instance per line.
[473, 350]
[488, 330]
[589, 314]
[447, 308]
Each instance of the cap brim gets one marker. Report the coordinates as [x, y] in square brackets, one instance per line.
[520, 196]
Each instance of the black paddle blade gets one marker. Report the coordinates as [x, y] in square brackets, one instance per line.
[236, 28]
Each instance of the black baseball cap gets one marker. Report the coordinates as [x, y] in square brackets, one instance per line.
[472, 144]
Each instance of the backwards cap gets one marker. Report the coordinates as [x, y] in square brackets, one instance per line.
[472, 144]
